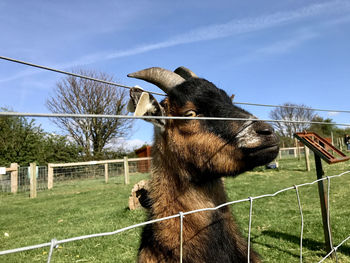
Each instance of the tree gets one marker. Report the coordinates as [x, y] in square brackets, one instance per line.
[81, 96]
[19, 140]
[324, 130]
[58, 148]
[291, 112]
[23, 142]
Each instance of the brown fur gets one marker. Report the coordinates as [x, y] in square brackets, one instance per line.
[172, 192]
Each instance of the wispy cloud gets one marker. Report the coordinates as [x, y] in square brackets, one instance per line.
[332, 113]
[281, 46]
[217, 31]
[232, 28]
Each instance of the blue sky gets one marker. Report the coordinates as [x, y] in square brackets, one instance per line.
[268, 52]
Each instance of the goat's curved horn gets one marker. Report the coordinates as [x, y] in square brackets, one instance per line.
[163, 78]
[185, 73]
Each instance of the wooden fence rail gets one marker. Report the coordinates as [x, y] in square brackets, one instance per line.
[36, 180]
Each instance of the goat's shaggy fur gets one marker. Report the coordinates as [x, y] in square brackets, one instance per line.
[189, 159]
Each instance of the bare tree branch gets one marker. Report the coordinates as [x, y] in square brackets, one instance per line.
[81, 96]
[289, 113]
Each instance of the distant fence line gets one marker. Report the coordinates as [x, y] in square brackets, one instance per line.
[17, 179]
[32, 178]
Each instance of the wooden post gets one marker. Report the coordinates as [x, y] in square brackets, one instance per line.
[332, 138]
[307, 160]
[49, 176]
[324, 205]
[340, 144]
[126, 170]
[106, 173]
[295, 149]
[280, 154]
[14, 178]
[32, 180]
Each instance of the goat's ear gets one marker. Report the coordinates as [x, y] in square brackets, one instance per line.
[144, 104]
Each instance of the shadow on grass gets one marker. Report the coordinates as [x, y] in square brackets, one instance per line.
[307, 242]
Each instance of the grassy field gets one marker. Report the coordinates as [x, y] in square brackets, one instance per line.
[91, 206]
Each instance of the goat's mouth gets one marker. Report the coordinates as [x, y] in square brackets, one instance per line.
[263, 154]
[262, 148]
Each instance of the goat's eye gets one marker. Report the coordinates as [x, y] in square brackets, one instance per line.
[190, 113]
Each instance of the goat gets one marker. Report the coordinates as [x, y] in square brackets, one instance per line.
[189, 159]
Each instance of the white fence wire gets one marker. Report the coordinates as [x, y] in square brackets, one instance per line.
[54, 243]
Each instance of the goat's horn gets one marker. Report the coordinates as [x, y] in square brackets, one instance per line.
[164, 79]
[185, 73]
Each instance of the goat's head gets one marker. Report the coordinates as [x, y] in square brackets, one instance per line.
[207, 147]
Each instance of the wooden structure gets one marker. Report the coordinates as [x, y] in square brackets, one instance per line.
[323, 149]
[144, 151]
[13, 169]
[125, 161]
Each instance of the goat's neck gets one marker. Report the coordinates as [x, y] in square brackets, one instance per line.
[178, 192]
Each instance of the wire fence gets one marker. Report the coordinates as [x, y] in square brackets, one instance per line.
[23, 184]
[158, 117]
[114, 169]
[54, 243]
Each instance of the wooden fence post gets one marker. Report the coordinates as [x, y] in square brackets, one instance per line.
[332, 138]
[32, 180]
[14, 177]
[307, 160]
[106, 172]
[49, 176]
[297, 150]
[126, 170]
[340, 144]
[324, 205]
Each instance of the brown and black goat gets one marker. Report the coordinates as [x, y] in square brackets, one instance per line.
[189, 159]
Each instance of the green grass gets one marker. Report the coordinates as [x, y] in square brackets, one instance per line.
[90, 206]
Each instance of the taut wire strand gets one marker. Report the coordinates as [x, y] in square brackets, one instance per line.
[181, 234]
[71, 74]
[289, 106]
[302, 223]
[328, 217]
[52, 247]
[71, 115]
[156, 93]
[250, 226]
[334, 249]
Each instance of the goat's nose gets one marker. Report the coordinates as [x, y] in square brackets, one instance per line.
[264, 129]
